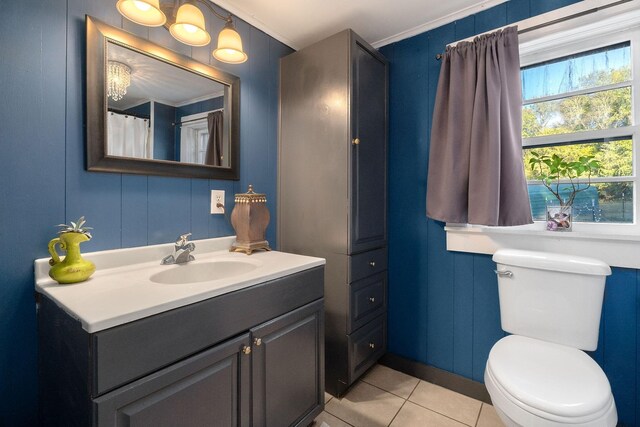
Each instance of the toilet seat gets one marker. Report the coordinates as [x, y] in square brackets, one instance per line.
[535, 382]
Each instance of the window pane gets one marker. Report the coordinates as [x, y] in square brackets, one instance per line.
[601, 110]
[615, 156]
[602, 202]
[585, 70]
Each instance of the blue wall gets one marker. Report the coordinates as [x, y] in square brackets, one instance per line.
[443, 306]
[164, 133]
[43, 178]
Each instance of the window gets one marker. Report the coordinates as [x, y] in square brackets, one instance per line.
[579, 100]
[584, 62]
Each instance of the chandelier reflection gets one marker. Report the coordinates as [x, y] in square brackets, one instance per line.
[118, 80]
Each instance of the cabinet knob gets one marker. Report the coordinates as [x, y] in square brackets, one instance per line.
[356, 141]
[257, 341]
[246, 349]
[372, 299]
[372, 264]
[372, 345]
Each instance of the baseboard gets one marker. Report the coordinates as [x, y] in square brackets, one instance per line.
[437, 376]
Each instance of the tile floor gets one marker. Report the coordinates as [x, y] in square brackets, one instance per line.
[385, 397]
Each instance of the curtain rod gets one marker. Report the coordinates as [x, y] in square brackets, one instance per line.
[563, 19]
[127, 114]
[201, 118]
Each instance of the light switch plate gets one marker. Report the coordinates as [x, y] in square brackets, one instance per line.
[217, 196]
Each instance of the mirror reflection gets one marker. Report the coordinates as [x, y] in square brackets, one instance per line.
[159, 111]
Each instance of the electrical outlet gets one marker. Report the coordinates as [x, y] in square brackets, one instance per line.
[217, 199]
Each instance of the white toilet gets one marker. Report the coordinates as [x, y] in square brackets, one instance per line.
[539, 376]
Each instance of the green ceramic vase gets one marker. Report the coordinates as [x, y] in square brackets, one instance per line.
[73, 268]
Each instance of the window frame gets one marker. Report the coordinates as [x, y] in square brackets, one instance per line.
[561, 48]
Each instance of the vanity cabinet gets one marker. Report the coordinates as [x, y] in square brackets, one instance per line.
[332, 191]
[253, 357]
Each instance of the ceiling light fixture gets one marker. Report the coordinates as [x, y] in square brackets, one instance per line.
[187, 25]
[118, 80]
[143, 12]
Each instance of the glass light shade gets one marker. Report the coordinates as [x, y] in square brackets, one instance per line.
[229, 46]
[143, 12]
[118, 80]
[189, 27]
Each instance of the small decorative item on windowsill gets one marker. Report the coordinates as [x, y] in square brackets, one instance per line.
[559, 218]
[73, 268]
[250, 218]
[555, 171]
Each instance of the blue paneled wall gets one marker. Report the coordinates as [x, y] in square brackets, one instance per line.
[42, 173]
[443, 306]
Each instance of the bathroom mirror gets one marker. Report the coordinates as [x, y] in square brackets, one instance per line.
[152, 111]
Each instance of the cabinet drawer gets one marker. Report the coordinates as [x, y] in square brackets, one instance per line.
[366, 346]
[367, 300]
[367, 263]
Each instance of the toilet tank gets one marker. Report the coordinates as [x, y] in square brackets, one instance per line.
[551, 297]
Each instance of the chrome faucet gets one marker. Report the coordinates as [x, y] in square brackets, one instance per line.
[181, 252]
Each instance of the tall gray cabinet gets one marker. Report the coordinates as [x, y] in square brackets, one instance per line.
[332, 191]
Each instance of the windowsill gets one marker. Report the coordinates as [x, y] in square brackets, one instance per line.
[615, 247]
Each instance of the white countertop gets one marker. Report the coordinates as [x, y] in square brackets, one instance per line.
[120, 290]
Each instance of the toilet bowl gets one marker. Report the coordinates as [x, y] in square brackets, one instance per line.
[539, 376]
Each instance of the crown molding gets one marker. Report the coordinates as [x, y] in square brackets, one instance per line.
[427, 26]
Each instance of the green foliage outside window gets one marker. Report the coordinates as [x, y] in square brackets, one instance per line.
[599, 110]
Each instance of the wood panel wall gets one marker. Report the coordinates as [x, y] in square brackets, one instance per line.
[42, 169]
[443, 306]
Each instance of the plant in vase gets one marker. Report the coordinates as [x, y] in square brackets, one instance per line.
[554, 169]
[73, 268]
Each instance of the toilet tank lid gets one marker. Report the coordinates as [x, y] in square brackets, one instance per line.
[551, 261]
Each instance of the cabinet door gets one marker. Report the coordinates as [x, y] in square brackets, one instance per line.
[211, 388]
[368, 160]
[288, 368]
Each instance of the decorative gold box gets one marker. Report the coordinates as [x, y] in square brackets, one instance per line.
[250, 218]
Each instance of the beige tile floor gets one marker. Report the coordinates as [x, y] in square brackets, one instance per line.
[385, 397]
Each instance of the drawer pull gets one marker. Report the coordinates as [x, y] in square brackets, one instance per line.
[246, 349]
[372, 299]
[372, 264]
[355, 141]
[372, 345]
[258, 341]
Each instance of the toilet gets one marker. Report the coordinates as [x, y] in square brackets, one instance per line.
[539, 375]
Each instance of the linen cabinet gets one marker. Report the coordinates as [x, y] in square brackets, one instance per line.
[332, 191]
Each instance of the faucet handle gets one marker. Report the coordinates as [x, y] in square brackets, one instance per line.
[183, 239]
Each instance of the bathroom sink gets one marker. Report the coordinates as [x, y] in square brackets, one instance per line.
[202, 272]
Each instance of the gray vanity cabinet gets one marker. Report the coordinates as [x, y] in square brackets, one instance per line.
[332, 191]
[253, 357]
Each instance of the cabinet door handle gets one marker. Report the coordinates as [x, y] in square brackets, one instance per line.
[246, 349]
[372, 345]
[372, 264]
[355, 141]
[257, 341]
[372, 299]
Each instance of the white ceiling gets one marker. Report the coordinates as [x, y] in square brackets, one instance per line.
[299, 23]
[152, 79]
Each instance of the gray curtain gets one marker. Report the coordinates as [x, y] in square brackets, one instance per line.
[476, 175]
[214, 146]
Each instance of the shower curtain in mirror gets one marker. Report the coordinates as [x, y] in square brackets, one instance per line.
[214, 147]
[476, 173]
[128, 136]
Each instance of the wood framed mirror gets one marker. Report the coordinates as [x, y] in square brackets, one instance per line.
[152, 111]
